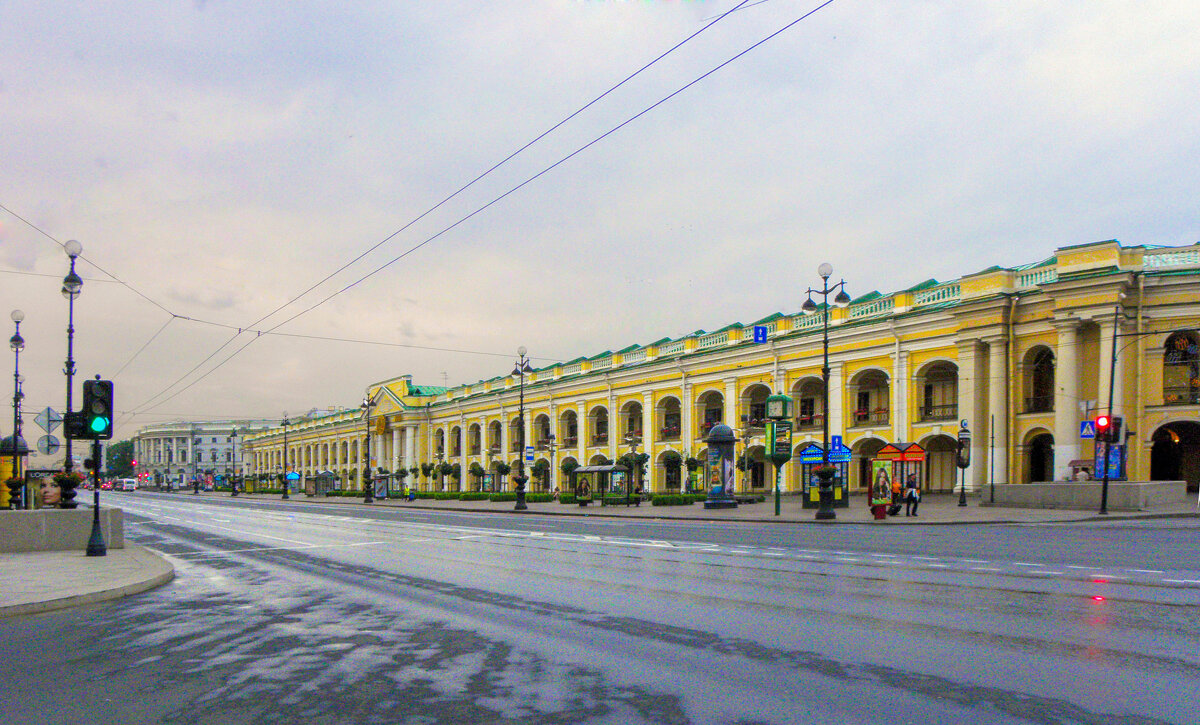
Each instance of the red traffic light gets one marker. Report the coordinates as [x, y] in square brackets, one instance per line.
[1102, 422]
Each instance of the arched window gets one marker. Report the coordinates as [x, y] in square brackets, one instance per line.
[1039, 379]
[1181, 369]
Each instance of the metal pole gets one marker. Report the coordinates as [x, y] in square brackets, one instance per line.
[285, 460]
[778, 469]
[825, 512]
[992, 456]
[96, 545]
[69, 370]
[520, 480]
[1112, 375]
[368, 482]
[17, 344]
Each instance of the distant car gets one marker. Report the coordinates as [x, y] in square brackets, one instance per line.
[106, 485]
[127, 484]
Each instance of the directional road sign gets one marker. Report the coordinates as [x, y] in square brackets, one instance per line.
[48, 420]
[48, 445]
[760, 333]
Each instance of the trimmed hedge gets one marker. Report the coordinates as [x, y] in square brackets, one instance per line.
[539, 497]
[679, 500]
[567, 498]
[506, 496]
[475, 496]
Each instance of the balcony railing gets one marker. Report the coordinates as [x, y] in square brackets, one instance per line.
[939, 412]
[1039, 404]
[809, 422]
[570, 440]
[600, 439]
[863, 417]
[670, 433]
[1181, 395]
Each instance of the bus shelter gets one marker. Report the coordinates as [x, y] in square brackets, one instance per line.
[321, 483]
[591, 483]
[811, 458]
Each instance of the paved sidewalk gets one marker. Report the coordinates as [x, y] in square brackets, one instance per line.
[45, 580]
[935, 510]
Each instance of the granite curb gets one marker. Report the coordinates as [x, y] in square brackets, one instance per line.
[87, 580]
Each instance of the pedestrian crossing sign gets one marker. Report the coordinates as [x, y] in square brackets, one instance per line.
[1087, 429]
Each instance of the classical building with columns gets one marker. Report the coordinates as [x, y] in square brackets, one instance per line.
[179, 452]
[1025, 356]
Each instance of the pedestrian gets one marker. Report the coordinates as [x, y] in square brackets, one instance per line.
[1083, 474]
[912, 495]
[897, 497]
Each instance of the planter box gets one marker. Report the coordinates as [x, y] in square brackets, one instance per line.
[58, 529]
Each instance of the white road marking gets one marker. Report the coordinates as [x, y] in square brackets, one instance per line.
[1147, 571]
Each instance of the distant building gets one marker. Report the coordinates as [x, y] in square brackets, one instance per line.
[1022, 355]
[180, 451]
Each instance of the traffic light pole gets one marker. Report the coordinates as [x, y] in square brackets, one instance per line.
[96, 545]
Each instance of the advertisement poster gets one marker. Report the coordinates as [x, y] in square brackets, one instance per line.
[583, 487]
[881, 482]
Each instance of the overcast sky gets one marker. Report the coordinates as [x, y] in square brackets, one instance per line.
[221, 158]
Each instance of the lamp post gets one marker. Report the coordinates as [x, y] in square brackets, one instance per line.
[825, 473]
[71, 287]
[284, 423]
[519, 480]
[368, 480]
[17, 343]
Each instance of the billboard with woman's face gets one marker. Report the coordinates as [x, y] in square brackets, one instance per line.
[881, 482]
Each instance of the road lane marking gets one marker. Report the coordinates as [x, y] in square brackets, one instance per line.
[1147, 571]
[1182, 581]
[1047, 573]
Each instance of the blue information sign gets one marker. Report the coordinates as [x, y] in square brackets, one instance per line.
[1087, 429]
[760, 333]
[812, 453]
[838, 452]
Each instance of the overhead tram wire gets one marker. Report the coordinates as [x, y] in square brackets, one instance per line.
[466, 186]
[502, 162]
[514, 189]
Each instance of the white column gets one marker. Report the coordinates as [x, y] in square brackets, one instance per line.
[1066, 398]
[837, 394]
[731, 404]
[687, 423]
[970, 392]
[395, 449]
[581, 434]
[899, 403]
[1106, 369]
[410, 445]
[648, 439]
[505, 434]
[997, 388]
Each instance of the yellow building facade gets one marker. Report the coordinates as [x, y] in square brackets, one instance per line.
[1023, 355]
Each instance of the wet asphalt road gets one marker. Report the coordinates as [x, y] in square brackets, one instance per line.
[327, 614]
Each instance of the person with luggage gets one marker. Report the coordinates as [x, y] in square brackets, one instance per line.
[912, 495]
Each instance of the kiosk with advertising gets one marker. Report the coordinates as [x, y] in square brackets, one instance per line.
[904, 460]
[811, 458]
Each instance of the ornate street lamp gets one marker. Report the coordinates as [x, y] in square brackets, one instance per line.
[17, 344]
[521, 369]
[825, 473]
[71, 287]
[368, 479]
[285, 423]
[632, 439]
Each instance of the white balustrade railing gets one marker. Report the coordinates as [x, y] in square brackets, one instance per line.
[711, 340]
[941, 293]
[1034, 277]
[671, 348]
[635, 356]
[572, 368]
[871, 308]
[1159, 259]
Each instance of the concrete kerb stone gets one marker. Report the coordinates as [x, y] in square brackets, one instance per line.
[141, 570]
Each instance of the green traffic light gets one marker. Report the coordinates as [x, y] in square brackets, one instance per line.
[99, 424]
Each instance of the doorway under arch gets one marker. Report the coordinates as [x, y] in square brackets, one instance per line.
[1175, 453]
[1040, 452]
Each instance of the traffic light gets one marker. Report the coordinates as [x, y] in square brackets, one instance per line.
[1104, 428]
[98, 409]
[1116, 434]
[74, 427]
